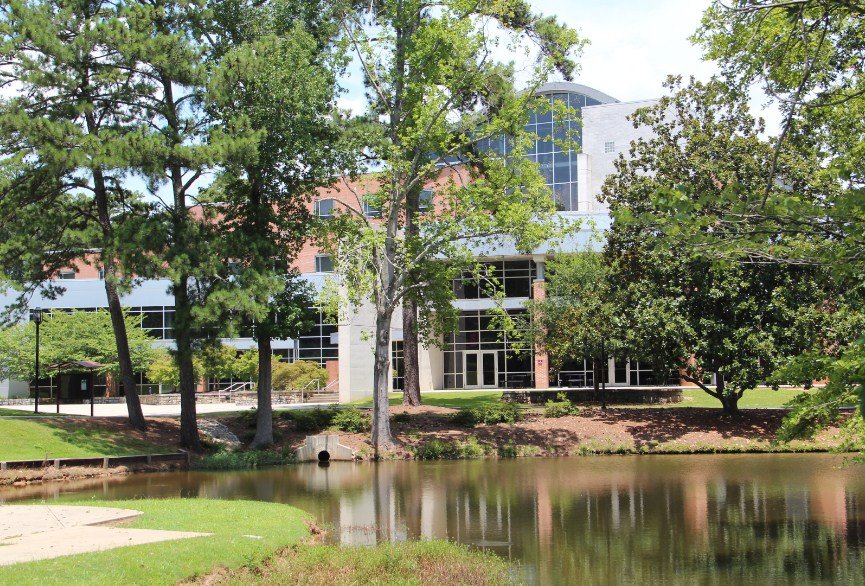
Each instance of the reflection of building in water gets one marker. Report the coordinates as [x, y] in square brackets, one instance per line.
[433, 512]
[828, 502]
[695, 496]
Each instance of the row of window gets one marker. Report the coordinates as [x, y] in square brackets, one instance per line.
[318, 344]
[324, 208]
[514, 277]
[477, 332]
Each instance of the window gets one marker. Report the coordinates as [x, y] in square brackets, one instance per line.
[101, 274]
[324, 208]
[609, 147]
[478, 331]
[514, 276]
[369, 211]
[397, 365]
[316, 343]
[426, 200]
[323, 263]
[66, 274]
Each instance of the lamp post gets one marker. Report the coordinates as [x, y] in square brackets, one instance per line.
[36, 318]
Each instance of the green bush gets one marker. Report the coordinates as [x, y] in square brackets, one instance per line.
[241, 460]
[470, 449]
[488, 414]
[509, 450]
[297, 376]
[465, 418]
[561, 407]
[351, 421]
[309, 420]
[436, 449]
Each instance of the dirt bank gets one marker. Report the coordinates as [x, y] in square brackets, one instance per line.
[615, 430]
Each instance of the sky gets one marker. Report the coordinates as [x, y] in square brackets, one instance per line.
[634, 45]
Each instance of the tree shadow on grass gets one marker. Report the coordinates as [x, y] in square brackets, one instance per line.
[104, 438]
[665, 425]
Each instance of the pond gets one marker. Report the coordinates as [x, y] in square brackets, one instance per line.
[745, 518]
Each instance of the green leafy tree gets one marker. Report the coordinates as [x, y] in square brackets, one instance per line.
[277, 79]
[298, 376]
[434, 91]
[66, 140]
[807, 56]
[744, 316]
[581, 317]
[174, 51]
[70, 337]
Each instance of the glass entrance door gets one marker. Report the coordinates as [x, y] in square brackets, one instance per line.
[481, 369]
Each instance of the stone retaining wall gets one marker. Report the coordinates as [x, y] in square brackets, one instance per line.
[614, 395]
[102, 462]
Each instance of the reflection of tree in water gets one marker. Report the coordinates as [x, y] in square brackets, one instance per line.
[628, 519]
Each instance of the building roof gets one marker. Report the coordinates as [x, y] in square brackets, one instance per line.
[84, 364]
[569, 86]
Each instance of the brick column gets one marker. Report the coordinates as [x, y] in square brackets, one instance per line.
[542, 363]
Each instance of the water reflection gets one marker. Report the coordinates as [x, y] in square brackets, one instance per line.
[674, 519]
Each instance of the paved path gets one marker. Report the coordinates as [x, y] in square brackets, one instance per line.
[119, 409]
[38, 532]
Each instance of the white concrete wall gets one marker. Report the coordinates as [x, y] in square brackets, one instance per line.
[13, 389]
[602, 124]
[357, 351]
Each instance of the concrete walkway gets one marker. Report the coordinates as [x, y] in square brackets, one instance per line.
[38, 532]
[119, 409]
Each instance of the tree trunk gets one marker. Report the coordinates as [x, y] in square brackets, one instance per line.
[381, 436]
[410, 360]
[729, 401]
[183, 356]
[124, 359]
[115, 310]
[264, 418]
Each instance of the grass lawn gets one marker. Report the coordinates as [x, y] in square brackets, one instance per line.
[413, 562]
[244, 532]
[452, 399]
[753, 399]
[32, 439]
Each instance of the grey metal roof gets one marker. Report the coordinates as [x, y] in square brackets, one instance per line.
[569, 86]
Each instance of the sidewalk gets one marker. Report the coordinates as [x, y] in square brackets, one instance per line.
[119, 409]
[38, 532]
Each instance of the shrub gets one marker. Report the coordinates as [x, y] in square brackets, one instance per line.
[241, 460]
[488, 414]
[309, 420]
[351, 421]
[297, 376]
[561, 407]
[471, 449]
[436, 449]
[465, 418]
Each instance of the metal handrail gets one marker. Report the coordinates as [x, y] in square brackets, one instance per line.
[233, 388]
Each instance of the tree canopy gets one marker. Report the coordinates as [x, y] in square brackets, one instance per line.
[434, 93]
[71, 337]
